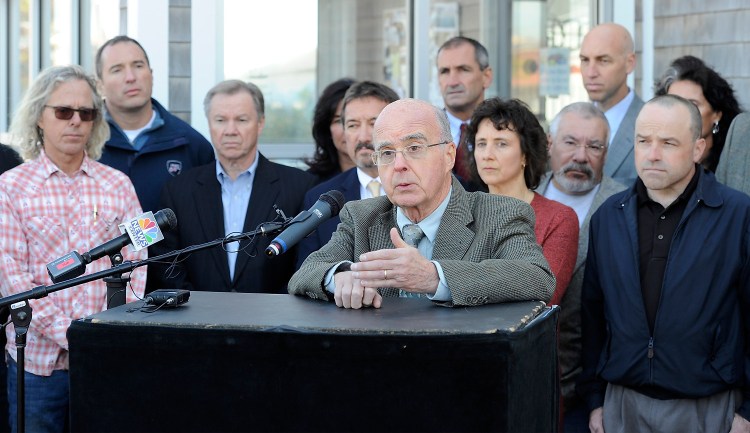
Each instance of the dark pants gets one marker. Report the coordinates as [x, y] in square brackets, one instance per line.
[47, 401]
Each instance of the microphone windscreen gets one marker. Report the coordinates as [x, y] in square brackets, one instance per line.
[335, 199]
[167, 216]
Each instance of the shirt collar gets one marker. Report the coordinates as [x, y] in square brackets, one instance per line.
[617, 112]
[642, 192]
[429, 225]
[455, 124]
[222, 176]
[365, 178]
[51, 168]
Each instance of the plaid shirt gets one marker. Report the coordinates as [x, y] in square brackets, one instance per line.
[45, 214]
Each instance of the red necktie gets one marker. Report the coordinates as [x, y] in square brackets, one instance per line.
[461, 167]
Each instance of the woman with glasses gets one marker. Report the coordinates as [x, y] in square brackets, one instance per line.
[508, 156]
[61, 200]
[690, 78]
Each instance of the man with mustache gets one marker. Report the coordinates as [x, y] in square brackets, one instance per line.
[363, 102]
[464, 73]
[607, 58]
[577, 144]
[147, 142]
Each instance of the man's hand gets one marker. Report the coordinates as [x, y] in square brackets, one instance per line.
[740, 425]
[596, 420]
[401, 267]
[350, 293]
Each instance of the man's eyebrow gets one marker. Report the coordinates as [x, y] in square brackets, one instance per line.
[413, 136]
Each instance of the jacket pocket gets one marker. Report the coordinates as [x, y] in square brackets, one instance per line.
[723, 356]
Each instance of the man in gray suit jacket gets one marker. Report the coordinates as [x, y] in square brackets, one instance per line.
[607, 58]
[578, 150]
[734, 165]
[463, 248]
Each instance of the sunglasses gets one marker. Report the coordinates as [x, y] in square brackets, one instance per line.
[66, 113]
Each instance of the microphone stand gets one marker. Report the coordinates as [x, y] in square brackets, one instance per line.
[116, 284]
[20, 310]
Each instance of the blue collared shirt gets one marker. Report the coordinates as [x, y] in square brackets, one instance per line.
[235, 196]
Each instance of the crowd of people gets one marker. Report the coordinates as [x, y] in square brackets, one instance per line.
[614, 214]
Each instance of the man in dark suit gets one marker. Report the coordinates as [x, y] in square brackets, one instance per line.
[428, 237]
[362, 104]
[607, 58]
[235, 194]
[577, 143]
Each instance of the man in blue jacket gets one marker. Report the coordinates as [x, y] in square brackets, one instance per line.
[666, 292]
[146, 142]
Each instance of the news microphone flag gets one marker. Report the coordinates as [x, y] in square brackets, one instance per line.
[142, 230]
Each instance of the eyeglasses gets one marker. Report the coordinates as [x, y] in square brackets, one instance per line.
[412, 151]
[571, 146]
[66, 113]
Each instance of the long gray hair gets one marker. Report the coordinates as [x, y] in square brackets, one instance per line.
[24, 132]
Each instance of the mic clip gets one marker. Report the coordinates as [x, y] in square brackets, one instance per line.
[280, 213]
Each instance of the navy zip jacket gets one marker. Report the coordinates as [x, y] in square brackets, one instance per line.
[169, 150]
[698, 347]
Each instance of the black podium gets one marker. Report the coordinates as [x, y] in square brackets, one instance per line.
[256, 362]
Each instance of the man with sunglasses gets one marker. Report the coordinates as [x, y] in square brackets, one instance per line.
[59, 201]
[146, 142]
[427, 237]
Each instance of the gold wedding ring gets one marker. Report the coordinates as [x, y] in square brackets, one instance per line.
[385, 274]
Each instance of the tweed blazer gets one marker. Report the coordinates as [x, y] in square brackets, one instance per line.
[620, 163]
[485, 244]
[734, 164]
[570, 307]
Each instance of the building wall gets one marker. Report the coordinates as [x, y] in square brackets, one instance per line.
[715, 31]
[179, 58]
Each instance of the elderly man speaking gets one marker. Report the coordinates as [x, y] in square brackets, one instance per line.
[427, 237]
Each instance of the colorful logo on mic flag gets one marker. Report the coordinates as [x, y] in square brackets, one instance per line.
[143, 231]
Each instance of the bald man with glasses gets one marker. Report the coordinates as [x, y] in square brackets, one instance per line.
[427, 237]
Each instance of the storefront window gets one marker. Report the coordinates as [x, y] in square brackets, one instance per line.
[277, 51]
[546, 42]
[104, 23]
[61, 32]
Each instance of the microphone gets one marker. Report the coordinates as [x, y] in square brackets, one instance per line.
[327, 206]
[140, 232]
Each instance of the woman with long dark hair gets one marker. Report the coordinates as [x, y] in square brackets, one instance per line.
[331, 156]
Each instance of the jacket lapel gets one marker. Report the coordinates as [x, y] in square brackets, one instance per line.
[623, 149]
[263, 197]
[210, 213]
[454, 237]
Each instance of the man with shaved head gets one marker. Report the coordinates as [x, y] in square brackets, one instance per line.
[665, 302]
[427, 237]
[607, 58]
